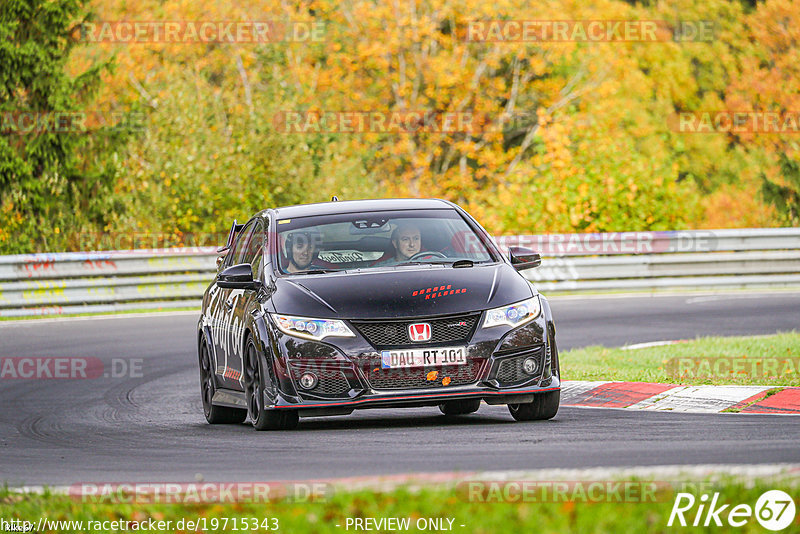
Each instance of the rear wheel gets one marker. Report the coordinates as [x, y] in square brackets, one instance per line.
[208, 386]
[460, 407]
[254, 384]
[544, 406]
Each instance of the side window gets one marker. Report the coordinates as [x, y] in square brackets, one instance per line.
[254, 253]
[237, 252]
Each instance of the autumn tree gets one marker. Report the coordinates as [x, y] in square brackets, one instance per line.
[46, 187]
[770, 82]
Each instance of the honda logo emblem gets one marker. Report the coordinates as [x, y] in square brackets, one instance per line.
[419, 332]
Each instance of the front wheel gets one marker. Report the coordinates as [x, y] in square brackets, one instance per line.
[544, 406]
[262, 417]
[208, 386]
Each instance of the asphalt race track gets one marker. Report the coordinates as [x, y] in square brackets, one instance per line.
[150, 427]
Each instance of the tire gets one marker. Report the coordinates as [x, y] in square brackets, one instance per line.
[254, 385]
[460, 407]
[215, 415]
[544, 406]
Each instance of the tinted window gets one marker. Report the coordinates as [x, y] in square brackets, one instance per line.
[377, 240]
[254, 250]
[237, 253]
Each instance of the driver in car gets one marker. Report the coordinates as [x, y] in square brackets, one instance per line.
[407, 241]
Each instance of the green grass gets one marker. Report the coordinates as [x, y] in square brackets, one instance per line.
[694, 362]
[565, 516]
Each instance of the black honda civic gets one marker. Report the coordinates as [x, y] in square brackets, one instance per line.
[321, 309]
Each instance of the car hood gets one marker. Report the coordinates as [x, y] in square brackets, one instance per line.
[403, 292]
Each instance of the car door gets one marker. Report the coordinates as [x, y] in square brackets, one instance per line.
[252, 253]
[227, 374]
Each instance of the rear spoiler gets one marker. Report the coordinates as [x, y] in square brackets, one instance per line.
[235, 229]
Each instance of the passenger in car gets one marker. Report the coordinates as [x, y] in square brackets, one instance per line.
[301, 248]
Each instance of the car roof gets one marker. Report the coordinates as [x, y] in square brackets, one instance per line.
[358, 206]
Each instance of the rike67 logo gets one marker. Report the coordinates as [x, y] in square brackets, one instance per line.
[774, 510]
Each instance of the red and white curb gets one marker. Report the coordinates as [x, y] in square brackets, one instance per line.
[669, 397]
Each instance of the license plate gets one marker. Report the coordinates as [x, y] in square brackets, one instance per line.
[395, 359]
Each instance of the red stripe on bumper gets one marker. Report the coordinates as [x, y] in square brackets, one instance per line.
[412, 397]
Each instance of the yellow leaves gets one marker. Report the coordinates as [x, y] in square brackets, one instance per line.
[505, 197]
[553, 206]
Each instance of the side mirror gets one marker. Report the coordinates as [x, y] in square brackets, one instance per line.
[524, 258]
[237, 277]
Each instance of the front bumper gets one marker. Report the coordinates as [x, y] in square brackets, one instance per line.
[349, 374]
[412, 398]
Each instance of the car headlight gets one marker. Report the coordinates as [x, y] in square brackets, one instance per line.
[515, 314]
[316, 329]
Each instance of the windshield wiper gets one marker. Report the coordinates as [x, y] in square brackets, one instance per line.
[315, 271]
[427, 262]
[458, 264]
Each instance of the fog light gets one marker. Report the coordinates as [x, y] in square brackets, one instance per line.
[308, 381]
[529, 366]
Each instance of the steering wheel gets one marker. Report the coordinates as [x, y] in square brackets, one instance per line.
[427, 254]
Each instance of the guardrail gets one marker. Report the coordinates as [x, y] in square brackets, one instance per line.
[89, 282]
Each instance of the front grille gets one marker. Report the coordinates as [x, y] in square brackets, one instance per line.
[509, 370]
[383, 334]
[417, 377]
[330, 382]
[332, 385]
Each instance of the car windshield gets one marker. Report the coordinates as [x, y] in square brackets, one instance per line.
[379, 240]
